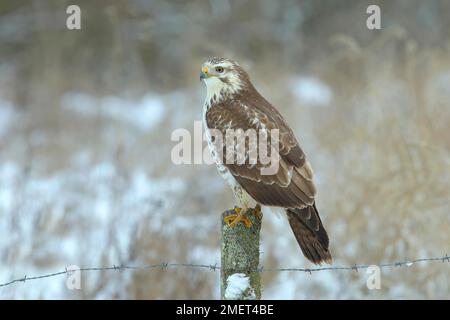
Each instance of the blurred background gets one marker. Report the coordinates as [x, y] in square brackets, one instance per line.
[86, 117]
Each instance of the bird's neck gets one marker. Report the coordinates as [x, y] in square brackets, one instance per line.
[217, 91]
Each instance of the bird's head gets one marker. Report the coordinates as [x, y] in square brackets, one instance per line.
[223, 77]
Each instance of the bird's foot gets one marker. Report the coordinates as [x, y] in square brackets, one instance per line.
[257, 212]
[233, 219]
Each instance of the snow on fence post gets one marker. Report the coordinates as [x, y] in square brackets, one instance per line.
[239, 276]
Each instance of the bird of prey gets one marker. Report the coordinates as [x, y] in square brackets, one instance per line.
[233, 103]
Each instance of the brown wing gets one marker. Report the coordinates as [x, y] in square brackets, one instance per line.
[292, 185]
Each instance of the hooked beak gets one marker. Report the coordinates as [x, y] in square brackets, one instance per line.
[204, 73]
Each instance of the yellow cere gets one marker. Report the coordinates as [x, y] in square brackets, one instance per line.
[205, 70]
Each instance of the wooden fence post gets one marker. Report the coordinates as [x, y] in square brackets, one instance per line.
[239, 276]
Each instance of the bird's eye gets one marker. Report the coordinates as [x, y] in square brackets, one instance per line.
[219, 69]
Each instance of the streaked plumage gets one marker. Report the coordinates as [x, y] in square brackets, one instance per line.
[232, 102]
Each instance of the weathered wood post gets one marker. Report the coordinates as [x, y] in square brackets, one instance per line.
[239, 276]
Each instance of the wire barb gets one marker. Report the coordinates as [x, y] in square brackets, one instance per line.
[214, 267]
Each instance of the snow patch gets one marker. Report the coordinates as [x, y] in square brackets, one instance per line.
[312, 91]
[7, 116]
[237, 285]
[144, 113]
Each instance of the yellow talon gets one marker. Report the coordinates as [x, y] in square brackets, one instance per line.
[258, 212]
[233, 219]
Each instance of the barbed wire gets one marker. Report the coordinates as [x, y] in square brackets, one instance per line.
[215, 267]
